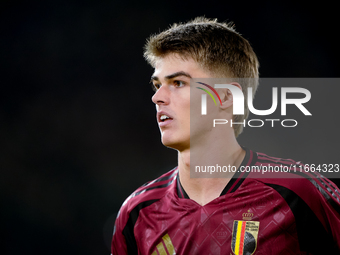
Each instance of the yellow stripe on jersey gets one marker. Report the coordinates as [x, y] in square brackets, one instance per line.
[161, 249]
[167, 249]
[168, 244]
[238, 238]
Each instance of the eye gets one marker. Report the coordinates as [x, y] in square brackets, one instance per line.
[155, 86]
[179, 84]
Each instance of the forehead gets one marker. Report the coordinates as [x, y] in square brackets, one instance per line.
[173, 63]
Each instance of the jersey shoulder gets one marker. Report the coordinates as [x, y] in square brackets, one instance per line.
[265, 159]
[151, 191]
[123, 233]
[313, 200]
[294, 176]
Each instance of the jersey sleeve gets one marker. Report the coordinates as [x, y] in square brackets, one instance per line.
[118, 245]
[124, 241]
[329, 196]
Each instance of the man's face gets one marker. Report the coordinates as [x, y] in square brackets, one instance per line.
[171, 80]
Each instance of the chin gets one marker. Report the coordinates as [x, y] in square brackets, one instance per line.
[176, 144]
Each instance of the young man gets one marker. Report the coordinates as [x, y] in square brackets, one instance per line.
[239, 213]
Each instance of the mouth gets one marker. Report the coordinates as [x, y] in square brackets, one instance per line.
[164, 119]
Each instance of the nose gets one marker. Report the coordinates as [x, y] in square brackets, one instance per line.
[162, 96]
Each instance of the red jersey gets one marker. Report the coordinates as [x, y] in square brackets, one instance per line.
[252, 215]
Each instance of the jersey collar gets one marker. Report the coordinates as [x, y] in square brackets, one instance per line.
[234, 183]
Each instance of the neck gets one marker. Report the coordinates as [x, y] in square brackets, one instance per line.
[223, 152]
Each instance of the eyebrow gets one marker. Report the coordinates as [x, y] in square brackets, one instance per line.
[171, 76]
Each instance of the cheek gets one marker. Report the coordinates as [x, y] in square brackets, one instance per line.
[184, 103]
[184, 114]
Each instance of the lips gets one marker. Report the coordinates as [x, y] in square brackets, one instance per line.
[164, 118]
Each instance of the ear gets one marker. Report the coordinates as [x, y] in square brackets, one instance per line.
[227, 96]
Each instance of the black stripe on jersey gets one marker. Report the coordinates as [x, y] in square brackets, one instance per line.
[154, 187]
[180, 190]
[323, 180]
[232, 181]
[308, 175]
[161, 178]
[274, 162]
[128, 233]
[277, 159]
[313, 237]
[237, 176]
[335, 205]
[234, 234]
[336, 189]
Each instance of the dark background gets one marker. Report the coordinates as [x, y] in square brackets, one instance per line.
[77, 126]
